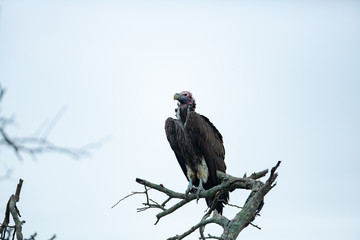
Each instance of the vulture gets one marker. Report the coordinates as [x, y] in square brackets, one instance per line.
[198, 147]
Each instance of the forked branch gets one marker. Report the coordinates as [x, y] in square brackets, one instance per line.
[231, 228]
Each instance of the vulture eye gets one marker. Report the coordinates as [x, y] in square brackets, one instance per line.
[185, 94]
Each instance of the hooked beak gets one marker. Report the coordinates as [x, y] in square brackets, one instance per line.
[177, 96]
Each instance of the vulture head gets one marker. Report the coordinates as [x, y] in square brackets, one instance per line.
[186, 103]
[184, 98]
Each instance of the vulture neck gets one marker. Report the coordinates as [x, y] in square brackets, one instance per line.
[183, 110]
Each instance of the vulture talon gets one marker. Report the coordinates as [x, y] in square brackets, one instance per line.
[198, 193]
[189, 188]
[199, 189]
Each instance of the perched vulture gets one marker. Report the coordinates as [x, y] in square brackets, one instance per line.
[198, 147]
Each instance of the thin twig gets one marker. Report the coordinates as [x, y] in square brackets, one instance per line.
[211, 237]
[129, 195]
[234, 205]
[255, 226]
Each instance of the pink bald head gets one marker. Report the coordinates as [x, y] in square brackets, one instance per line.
[185, 97]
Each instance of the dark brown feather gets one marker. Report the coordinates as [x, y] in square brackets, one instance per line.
[192, 138]
[172, 136]
[208, 141]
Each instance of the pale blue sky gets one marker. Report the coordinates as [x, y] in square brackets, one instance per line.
[280, 81]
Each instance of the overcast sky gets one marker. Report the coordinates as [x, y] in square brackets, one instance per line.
[279, 79]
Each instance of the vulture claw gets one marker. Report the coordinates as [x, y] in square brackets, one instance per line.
[198, 193]
[199, 189]
[189, 188]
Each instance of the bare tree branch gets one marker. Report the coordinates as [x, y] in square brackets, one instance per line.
[251, 208]
[12, 208]
[220, 220]
[231, 228]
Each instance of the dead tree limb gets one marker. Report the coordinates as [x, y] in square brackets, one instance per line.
[251, 208]
[12, 209]
[231, 228]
